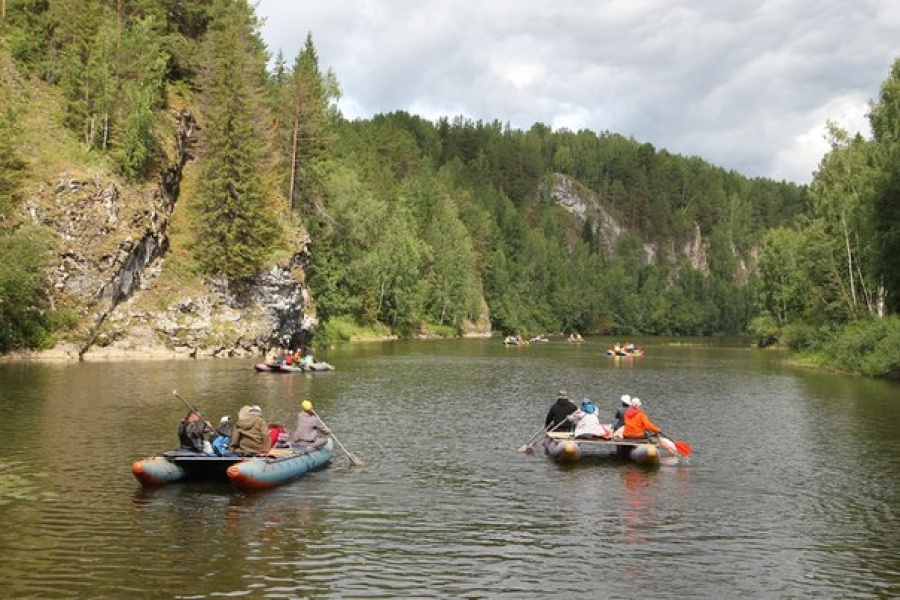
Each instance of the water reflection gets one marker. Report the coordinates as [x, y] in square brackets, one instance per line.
[638, 487]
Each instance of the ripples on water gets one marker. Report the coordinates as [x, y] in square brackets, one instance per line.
[779, 499]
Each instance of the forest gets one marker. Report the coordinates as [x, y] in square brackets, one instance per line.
[420, 226]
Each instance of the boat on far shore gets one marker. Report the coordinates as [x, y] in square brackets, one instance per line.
[280, 367]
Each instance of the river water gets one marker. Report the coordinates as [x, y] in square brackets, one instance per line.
[790, 490]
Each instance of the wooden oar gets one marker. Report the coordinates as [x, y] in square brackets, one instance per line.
[524, 447]
[354, 460]
[186, 403]
[530, 447]
[191, 408]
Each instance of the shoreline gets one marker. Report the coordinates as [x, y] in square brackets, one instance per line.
[69, 353]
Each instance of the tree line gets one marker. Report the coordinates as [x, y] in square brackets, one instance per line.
[428, 225]
[830, 284]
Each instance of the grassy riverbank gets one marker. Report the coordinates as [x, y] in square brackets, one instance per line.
[868, 347]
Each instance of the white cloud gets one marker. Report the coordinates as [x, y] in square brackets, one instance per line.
[745, 84]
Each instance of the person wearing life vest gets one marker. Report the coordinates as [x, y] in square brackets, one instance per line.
[311, 432]
[637, 424]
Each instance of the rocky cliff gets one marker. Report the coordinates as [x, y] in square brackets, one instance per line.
[584, 205]
[112, 270]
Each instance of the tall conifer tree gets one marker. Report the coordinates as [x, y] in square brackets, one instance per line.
[310, 127]
[236, 225]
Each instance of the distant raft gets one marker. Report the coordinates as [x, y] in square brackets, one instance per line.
[276, 367]
[627, 350]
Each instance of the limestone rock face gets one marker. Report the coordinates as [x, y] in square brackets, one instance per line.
[584, 205]
[113, 244]
[212, 322]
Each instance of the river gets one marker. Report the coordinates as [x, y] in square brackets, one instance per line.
[790, 490]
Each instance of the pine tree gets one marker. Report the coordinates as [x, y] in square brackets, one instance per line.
[311, 135]
[236, 224]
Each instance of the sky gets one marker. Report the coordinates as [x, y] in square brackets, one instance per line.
[747, 85]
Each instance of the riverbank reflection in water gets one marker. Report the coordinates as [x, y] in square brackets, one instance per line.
[779, 498]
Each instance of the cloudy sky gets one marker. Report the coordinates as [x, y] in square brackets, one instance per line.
[745, 84]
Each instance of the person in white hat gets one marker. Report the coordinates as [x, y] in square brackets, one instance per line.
[223, 436]
[619, 419]
[638, 424]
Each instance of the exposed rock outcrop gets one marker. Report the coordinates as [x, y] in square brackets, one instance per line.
[113, 243]
[584, 205]
[214, 321]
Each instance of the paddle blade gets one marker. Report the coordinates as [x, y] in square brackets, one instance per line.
[354, 460]
[683, 448]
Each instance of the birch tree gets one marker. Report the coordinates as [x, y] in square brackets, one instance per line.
[839, 197]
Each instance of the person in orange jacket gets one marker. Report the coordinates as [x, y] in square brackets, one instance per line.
[637, 424]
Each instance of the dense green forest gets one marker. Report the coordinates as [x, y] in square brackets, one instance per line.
[418, 225]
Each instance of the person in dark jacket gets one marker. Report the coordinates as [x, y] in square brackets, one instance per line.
[619, 420]
[559, 411]
[192, 432]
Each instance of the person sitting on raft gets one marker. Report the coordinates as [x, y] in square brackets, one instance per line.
[588, 422]
[311, 432]
[557, 415]
[619, 419]
[637, 424]
[192, 433]
[251, 433]
[222, 440]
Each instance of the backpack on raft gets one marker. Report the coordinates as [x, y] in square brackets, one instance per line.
[278, 436]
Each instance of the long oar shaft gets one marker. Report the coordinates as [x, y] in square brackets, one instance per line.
[529, 447]
[354, 460]
[524, 446]
[350, 456]
[186, 403]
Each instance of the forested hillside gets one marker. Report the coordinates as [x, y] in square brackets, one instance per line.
[425, 226]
